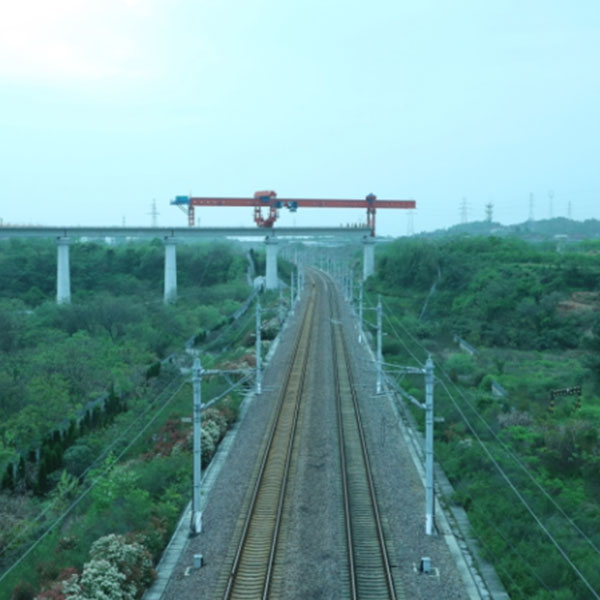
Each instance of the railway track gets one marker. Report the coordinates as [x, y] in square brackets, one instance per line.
[253, 558]
[252, 569]
[368, 561]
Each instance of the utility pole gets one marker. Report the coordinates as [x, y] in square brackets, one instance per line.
[429, 421]
[197, 372]
[429, 492]
[379, 350]
[292, 291]
[360, 310]
[551, 204]
[196, 524]
[258, 349]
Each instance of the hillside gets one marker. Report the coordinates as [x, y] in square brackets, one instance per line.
[519, 444]
[542, 230]
[94, 411]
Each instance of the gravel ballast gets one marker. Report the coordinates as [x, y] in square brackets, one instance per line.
[313, 563]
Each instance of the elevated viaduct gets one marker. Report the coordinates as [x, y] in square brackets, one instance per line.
[171, 236]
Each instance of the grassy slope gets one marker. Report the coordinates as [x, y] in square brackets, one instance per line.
[509, 299]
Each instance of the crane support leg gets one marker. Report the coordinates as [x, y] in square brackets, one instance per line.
[368, 257]
[371, 219]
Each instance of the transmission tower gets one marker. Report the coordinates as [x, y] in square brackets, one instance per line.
[464, 211]
[154, 214]
[569, 210]
[531, 206]
[551, 204]
[489, 212]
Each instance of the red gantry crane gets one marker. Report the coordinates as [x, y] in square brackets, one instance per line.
[269, 200]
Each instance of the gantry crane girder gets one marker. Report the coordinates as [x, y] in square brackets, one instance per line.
[269, 200]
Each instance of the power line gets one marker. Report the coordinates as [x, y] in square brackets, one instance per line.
[519, 495]
[508, 450]
[89, 489]
[514, 457]
[100, 457]
[507, 541]
[507, 573]
[108, 448]
[387, 318]
[512, 486]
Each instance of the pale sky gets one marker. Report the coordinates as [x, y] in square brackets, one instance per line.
[109, 104]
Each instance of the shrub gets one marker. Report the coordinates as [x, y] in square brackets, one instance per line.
[153, 370]
[215, 416]
[200, 337]
[486, 383]
[77, 458]
[118, 569]
[391, 346]
[47, 570]
[461, 364]
[99, 579]
[130, 557]
[229, 411]
[210, 437]
[23, 591]
[55, 591]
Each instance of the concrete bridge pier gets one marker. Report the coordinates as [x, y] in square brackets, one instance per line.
[170, 270]
[368, 257]
[271, 274]
[63, 271]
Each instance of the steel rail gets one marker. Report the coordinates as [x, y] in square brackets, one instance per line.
[301, 351]
[342, 450]
[339, 339]
[380, 533]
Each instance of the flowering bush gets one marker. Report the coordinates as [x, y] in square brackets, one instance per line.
[217, 417]
[208, 446]
[130, 557]
[100, 580]
[171, 437]
[119, 570]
